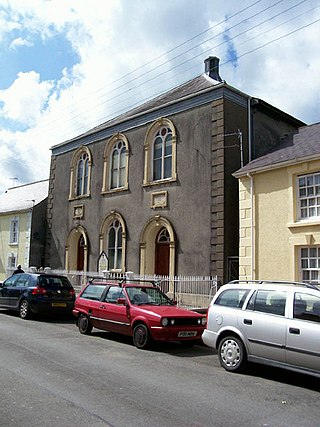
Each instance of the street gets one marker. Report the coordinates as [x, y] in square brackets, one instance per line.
[51, 375]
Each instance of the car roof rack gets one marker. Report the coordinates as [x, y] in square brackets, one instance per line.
[123, 280]
[276, 282]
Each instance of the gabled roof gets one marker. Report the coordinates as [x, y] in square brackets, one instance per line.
[23, 197]
[295, 148]
[190, 88]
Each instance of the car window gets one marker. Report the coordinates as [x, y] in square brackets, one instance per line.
[306, 307]
[11, 281]
[54, 282]
[145, 295]
[93, 292]
[114, 292]
[232, 298]
[24, 281]
[268, 301]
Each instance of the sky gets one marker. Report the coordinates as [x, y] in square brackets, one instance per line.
[69, 65]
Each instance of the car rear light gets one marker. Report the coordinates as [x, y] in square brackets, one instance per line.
[39, 291]
[72, 292]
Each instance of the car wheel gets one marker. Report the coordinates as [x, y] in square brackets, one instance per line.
[84, 324]
[232, 354]
[24, 310]
[141, 336]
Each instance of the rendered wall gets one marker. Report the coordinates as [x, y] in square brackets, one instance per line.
[278, 235]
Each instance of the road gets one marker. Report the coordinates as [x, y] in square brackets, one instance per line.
[50, 375]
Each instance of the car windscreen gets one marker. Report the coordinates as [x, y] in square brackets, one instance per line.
[145, 295]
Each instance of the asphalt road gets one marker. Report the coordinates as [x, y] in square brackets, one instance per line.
[50, 375]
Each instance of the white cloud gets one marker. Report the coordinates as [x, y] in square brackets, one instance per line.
[24, 100]
[114, 37]
[20, 42]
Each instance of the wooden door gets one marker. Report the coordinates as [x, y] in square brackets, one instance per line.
[162, 253]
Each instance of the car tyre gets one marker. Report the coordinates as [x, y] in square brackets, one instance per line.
[24, 310]
[232, 354]
[141, 336]
[84, 325]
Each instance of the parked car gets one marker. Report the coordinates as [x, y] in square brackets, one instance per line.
[274, 323]
[37, 293]
[139, 310]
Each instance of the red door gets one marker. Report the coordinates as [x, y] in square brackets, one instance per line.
[162, 253]
[80, 255]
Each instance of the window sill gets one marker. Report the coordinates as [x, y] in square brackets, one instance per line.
[115, 191]
[84, 196]
[160, 182]
[305, 223]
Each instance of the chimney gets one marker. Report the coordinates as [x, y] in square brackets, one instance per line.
[212, 68]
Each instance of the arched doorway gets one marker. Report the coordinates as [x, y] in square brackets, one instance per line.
[157, 248]
[77, 250]
[162, 253]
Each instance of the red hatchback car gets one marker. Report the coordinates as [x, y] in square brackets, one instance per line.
[142, 311]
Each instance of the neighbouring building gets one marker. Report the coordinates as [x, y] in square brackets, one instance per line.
[23, 228]
[152, 190]
[280, 211]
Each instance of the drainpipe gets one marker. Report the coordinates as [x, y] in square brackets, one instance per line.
[252, 227]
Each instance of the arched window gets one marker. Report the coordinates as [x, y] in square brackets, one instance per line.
[113, 241]
[160, 153]
[114, 245]
[116, 164]
[80, 173]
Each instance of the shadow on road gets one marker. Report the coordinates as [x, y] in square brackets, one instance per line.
[174, 348]
[284, 376]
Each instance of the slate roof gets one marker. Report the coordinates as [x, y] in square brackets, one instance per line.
[295, 148]
[190, 88]
[23, 197]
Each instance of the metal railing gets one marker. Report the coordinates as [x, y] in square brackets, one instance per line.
[193, 292]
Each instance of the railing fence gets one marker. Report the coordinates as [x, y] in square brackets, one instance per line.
[194, 292]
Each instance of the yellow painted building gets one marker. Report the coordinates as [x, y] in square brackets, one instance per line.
[279, 208]
[23, 227]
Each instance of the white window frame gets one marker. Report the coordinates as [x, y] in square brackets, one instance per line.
[309, 264]
[308, 196]
[14, 231]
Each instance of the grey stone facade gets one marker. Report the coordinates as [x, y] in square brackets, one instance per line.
[198, 206]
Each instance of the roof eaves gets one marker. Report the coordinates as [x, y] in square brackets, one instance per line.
[145, 112]
[266, 168]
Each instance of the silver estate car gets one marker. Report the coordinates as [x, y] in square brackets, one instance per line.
[269, 322]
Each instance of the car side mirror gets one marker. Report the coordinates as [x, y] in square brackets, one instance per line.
[121, 301]
[175, 302]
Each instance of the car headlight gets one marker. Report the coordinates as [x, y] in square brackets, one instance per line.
[164, 321]
[172, 322]
[204, 320]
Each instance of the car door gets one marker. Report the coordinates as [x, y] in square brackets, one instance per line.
[20, 285]
[264, 324]
[6, 289]
[114, 316]
[303, 332]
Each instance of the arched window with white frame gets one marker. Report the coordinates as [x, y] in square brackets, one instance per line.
[80, 173]
[160, 148]
[116, 164]
[113, 241]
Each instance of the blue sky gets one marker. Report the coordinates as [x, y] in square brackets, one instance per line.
[67, 66]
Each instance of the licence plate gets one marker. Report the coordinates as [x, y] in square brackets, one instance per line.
[59, 304]
[184, 334]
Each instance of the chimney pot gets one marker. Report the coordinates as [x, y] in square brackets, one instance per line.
[212, 68]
